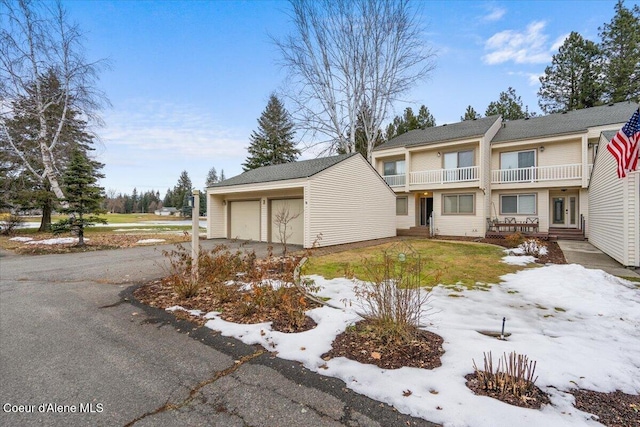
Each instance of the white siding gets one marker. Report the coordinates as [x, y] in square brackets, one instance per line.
[409, 220]
[460, 224]
[216, 217]
[349, 202]
[613, 210]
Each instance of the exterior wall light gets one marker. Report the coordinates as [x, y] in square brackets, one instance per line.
[542, 148]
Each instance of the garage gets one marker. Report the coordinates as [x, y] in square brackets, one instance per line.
[245, 220]
[287, 217]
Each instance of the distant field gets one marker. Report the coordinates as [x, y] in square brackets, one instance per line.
[119, 218]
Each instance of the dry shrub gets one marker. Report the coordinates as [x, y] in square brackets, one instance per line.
[514, 375]
[514, 239]
[391, 298]
[9, 223]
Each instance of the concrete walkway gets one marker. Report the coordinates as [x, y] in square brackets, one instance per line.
[587, 255]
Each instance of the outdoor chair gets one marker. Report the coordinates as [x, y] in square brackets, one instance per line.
[510, 220]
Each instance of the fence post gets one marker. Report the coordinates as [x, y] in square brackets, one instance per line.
[195, 235]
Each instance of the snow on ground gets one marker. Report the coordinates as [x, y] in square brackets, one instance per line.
[145, 241]
[56, 241]
[21, 239]
[581, 326]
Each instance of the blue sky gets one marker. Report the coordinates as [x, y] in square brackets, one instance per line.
[189, 79]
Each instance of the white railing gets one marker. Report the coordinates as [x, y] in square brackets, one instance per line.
[443, 176]
[536, 174]
[395, 180]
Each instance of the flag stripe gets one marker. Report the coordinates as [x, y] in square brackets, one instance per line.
[625, 145]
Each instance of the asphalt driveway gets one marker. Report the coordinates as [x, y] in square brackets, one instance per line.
[76, 349]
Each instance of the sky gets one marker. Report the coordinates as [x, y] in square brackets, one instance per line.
[188, 80]
[546, 322]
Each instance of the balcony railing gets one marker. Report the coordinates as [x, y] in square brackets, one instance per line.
[537, 174]
[443, 176]
[395, 180]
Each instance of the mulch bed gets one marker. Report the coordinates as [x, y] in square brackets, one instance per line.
[616, 409]
[360, 343]
[161, 294]
[534, 400]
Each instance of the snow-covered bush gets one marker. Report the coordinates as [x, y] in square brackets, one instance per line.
[533, 247]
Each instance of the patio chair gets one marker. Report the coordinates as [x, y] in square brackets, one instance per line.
[532, 220]
[510, 220]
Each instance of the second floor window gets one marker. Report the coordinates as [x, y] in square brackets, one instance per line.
[519, 160]
[457, 160]
[394, 168]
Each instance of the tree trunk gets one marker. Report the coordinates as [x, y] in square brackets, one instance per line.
[47, 207]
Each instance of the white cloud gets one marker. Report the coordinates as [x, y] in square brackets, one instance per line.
[559, 42]
[532, 78]
[495, 14]
[164, 130]
[522, 47]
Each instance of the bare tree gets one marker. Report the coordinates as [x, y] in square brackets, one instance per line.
[349, 57]
[39, 45]
[282, 219]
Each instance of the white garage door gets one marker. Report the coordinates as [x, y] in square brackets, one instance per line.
[291, 212]
[245, 220]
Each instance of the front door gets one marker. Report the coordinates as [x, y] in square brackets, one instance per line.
[564, 211]
[426, 208]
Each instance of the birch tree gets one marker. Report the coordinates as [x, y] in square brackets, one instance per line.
[38, 45]
[346, 57]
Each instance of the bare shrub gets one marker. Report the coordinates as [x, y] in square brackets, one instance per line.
[514, 239]
[282, 219]
[392, 298]
[9, 224]
[514, 375]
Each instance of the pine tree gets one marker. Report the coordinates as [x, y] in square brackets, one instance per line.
[82, 194]
[272, 143]
[621, 49]
[181, 193]
[470, 114]
[409, 121]
[222, 177]
[212, 177]
[572, 81]
[509, 106]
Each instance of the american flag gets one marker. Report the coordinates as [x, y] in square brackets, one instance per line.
[625, 144]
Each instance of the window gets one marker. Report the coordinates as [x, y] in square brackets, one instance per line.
[457, 160]
[402, 206]
[394, 168]
[519, 204]
[521, 161]
[457, 204]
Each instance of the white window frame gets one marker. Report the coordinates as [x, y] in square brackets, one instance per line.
[518, 212]
[457, 195]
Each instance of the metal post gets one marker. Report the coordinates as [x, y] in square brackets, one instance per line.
[195, 234]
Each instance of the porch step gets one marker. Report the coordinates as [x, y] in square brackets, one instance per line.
[566, 233]
[413, 231]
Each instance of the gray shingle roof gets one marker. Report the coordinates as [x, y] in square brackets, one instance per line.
[443, 133]
[285, 171]
[565, 123]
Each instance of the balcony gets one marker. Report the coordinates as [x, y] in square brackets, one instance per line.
[395, 180]
[444, 176]
[537, 174]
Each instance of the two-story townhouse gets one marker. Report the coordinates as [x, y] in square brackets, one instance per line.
[459, 177]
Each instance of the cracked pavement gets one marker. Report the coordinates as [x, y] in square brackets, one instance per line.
[72, 335]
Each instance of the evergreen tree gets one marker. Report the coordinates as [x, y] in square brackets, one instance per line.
[272, 143]
[409, 121]
[82, 195]
[620, 44]
[361, 145]
[572, 80]
[168, 198]
[222, 177]
[212, 177]
[470, 114]
[181, 193]
[509, 106]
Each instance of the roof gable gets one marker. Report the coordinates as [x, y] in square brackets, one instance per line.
[574, 121]
[285, 171]
[450, 132]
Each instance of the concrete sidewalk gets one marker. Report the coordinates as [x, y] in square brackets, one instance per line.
[587, 255]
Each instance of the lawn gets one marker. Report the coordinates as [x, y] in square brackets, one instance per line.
[471, 265]
[116, 218]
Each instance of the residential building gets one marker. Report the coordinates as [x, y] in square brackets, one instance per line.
[461, 179]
